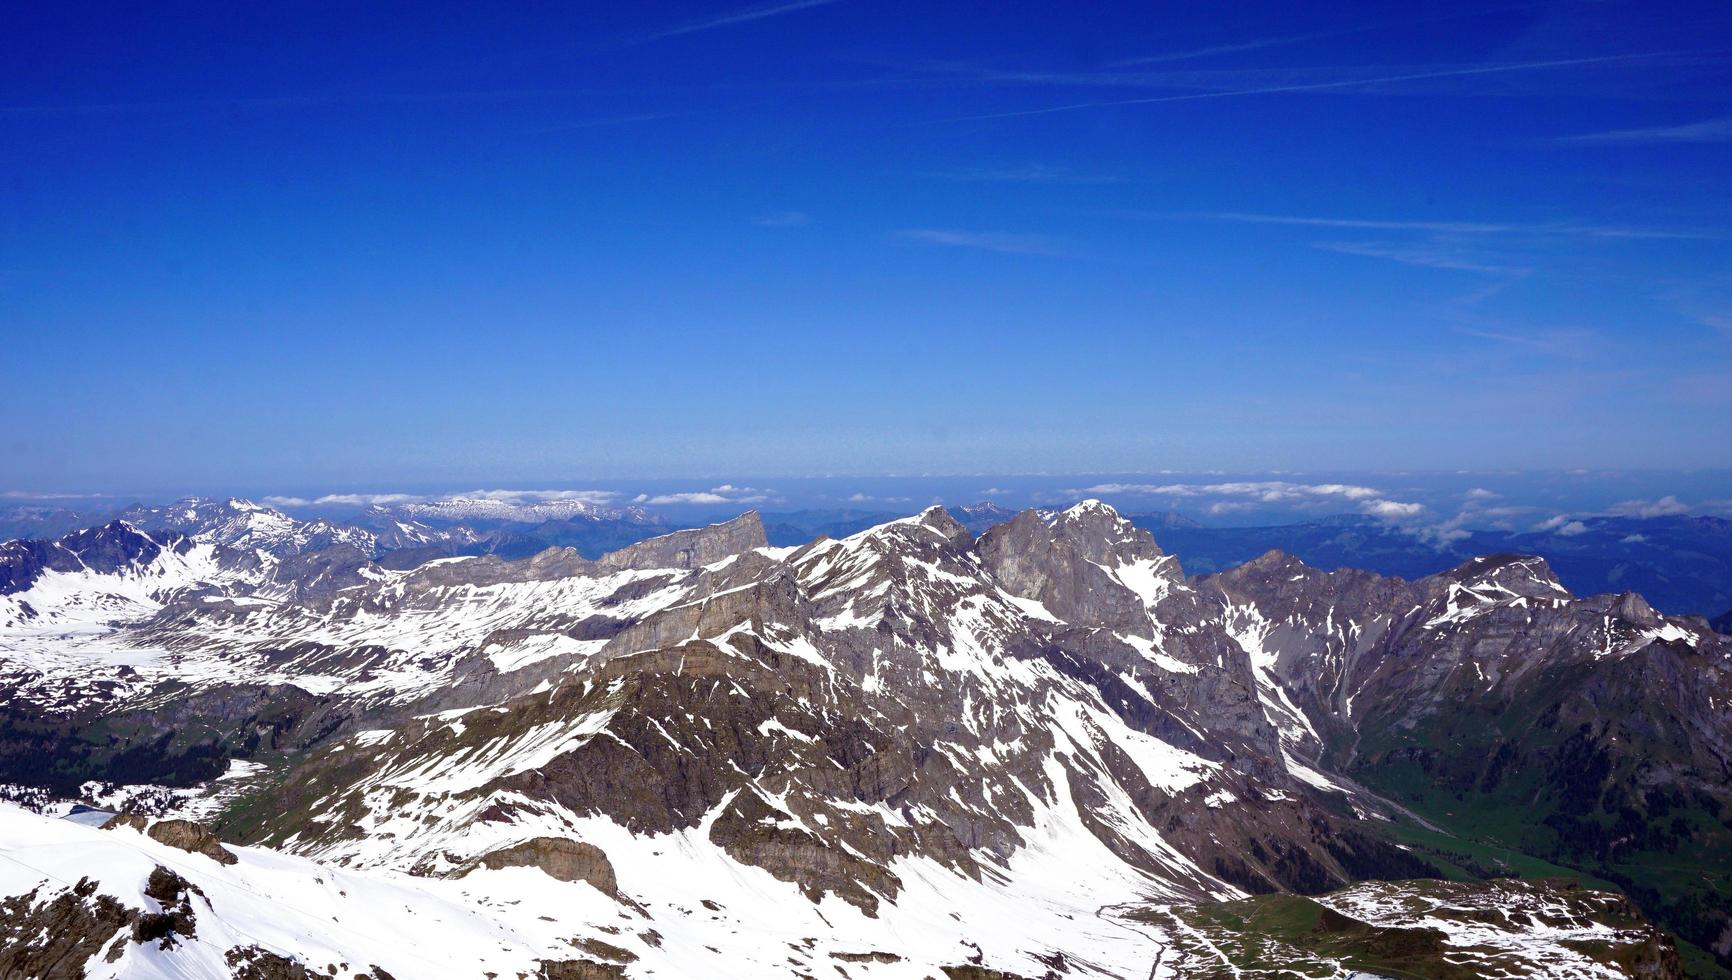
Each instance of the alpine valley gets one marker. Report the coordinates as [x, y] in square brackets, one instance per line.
[464, 741]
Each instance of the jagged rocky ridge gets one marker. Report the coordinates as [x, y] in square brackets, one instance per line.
[1593, 732]
[891, 744]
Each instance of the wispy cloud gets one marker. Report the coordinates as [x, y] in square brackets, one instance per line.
[1258, 44]
[861, 497]
[540, 496]
[1429, 257]
[727, 493]
[1564, 342]
[599, 122]
[1237, 496]
[594, 497]
[1562, 525]
[1363, 83]
[303, 101]
[1707, 131]
[1667, 506]
[990, 241]
[1452, 227]
[1260, 491]
[1033, 173]
[1562, 228]
[1719, 321]
[744, 16]
[344, 500]
[1476, 510]
[1391, 510]
[1209, 51]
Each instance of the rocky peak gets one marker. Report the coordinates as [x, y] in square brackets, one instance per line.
[1271, 572]
[1635, 610]
[1524, 575]
[692, 548]
[1086, 565]
[1099, 532]
[981, 516]
[688, 549]
[242, 524]
[1274, 560]
[932, 527]
[104, 550]
[931, 537]
[938, 519]
[112, 545]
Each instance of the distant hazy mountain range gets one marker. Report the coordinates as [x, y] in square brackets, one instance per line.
[1682, 564]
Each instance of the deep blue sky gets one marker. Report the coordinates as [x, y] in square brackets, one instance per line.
[252, 245]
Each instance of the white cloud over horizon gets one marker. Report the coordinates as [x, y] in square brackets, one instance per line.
[592, 497]
[1667, 506]
[1263, 491]
[1391, 509]
[33, 495]
[727, 493]
[861, 497]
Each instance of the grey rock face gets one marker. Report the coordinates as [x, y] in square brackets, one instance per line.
[566, 860]
[907, 691]
[683, 550]
[187, 835]
[694, 548]
[1490, 689]
[104, 550]
[1072, 562]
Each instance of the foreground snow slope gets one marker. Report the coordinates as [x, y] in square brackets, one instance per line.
[123, 904]
[697, 912]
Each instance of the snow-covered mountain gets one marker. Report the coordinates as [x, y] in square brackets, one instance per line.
[96, 578]
[244, 525]
[910, 752]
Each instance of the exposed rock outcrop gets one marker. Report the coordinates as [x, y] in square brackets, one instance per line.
[187, 835]
[566, 860]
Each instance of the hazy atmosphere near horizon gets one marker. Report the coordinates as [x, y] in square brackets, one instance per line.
[808, 488]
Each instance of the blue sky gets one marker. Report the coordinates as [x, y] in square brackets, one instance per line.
[321, 248]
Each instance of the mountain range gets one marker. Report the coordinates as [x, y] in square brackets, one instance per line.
[979, 745]
[1680, 563]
